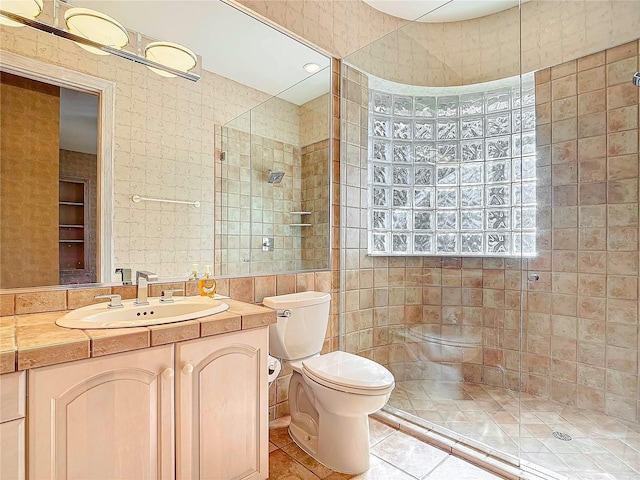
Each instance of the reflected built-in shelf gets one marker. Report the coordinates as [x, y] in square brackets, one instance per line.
[300, 224]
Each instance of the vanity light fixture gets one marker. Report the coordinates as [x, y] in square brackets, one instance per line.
[101, 34]
[311, 67]
[172, 55]
[97, 27]
[25, 8]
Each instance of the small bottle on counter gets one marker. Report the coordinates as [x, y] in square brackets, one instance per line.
[194, 272]
[207, 284]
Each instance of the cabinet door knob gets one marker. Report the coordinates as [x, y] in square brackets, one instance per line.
[168, 373]
[187, 369]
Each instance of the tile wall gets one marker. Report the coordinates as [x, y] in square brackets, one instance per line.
[459, 319]
[164, 127]
[314, 120]
[252, 209]
[316, 180]
[582, 325]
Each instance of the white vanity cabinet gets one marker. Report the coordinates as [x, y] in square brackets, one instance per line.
[12, 413]
[107, 417]
[221, 407]
[196, 409]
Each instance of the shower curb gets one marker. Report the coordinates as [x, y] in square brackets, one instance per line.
[456, 446]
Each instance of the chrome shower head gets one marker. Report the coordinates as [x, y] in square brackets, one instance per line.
[636, 79]
[275, 177]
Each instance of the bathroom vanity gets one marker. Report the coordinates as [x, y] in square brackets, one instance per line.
[180, 408]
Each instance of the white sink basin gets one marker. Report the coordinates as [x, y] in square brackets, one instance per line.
[156, 313]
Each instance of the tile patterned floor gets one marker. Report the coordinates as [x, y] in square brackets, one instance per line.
[394, 456]
[602, 447]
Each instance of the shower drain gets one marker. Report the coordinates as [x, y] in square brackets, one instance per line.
[565, 437]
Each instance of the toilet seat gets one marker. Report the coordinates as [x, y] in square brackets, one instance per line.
[349, 373]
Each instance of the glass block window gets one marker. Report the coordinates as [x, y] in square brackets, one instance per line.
[453, 174]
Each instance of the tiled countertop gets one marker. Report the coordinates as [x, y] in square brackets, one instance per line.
[34, 340]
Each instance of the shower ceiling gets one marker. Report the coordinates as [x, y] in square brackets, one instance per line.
[441, 10]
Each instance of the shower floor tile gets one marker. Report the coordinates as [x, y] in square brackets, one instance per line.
[601, 446]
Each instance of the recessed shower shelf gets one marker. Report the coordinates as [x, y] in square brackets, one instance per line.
[300, 224]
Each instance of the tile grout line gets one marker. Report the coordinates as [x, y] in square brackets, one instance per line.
[425, 476]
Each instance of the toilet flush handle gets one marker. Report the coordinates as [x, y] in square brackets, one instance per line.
[285, 313]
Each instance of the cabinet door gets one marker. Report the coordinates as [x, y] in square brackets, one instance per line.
[103, 418]
[12, 450]
[221, 409]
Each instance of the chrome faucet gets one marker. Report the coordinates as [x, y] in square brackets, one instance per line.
[148, 276]
[142, 292]
[142, 279]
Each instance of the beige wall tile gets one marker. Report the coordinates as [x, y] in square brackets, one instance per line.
[590, 80]
[7, 304]
[622, 95]
[591, 61]
[83, 297]
[623, 51]
[564, 87]
[264, 287]
[623, 143]
[242, 289]
[592, 102]
[592, 125]
[625, 166]
[285, 284]
[625, 118]
[40, 302]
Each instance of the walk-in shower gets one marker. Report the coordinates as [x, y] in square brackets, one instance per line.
[489, 241]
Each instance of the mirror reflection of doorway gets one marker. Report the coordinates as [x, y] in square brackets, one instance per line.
[48, 184]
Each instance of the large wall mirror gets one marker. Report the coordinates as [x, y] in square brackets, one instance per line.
[48, 183]
[161, 138]
[275, 179]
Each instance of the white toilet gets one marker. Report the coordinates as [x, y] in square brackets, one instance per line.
[330, 396]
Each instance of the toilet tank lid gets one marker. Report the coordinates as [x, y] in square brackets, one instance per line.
[296, 300]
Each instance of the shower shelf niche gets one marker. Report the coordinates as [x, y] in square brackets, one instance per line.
[300, 224]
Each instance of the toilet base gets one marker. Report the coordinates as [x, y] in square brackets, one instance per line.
[341, 445]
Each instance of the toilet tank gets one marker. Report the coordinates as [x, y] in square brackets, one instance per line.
[302, 333]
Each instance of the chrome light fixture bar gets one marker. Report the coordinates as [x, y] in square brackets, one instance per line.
[59, 32]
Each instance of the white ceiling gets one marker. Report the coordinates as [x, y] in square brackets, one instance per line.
[231, 43]
[432, 11]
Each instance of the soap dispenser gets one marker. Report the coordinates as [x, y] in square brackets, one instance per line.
[207, 284]
[194, 272]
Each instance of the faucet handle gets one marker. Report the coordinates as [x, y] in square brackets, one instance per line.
[115, 300]
[167, 295]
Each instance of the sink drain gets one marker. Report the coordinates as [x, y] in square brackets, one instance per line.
[565, 437]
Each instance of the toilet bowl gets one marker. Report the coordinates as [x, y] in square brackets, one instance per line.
[331, 395]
